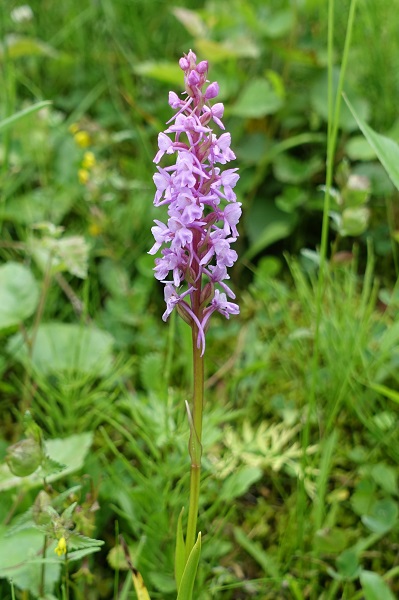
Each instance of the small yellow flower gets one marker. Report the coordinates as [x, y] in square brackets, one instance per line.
[89, 160]
[83, 175]
[95, 229]
[82, 139]
[61, 546]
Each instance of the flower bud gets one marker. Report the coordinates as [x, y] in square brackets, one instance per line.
[184, 64]
[193, 78]
[212, 90]
[24, 457]
[202, 67]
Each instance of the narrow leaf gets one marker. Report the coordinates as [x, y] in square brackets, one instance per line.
[180, 551]
[10, 121]
[386, 149]
[385, 391]
[187, 583]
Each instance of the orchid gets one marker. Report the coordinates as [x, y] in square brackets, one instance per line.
[203, 211]
[195, 248]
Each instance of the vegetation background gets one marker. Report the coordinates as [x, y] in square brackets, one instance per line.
[300, 483]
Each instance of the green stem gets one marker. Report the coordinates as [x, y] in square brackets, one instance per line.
[43, 569]
[195, 447]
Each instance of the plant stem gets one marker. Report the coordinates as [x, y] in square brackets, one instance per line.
[43, 569]
[195, 447]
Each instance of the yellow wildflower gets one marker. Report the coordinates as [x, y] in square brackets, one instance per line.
[83, 175]
[95, 229]
[61, 546]
[82, 139]
[89, 160]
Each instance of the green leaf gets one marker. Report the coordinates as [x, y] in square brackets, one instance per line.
[18, 553]
[266, 224]
[386, 477]
[167, 72]
[239, 482]
[364, 497]
[289, 169]
[348, 564]
[187, 582]
[257, 100]
[386, 149]
[278, 23]
[374, 587]
[10, 121]
[385, 391]
[242, 47]
[357, 148]
[19, 294]
[18, 46]
[180, 550]
[383, 516]
[61, 347]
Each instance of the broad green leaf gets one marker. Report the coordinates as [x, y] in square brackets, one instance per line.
[242, 47]
[239, 482]
[289, 169]
[18, 553]
[187, 582]
[39, 205]
[67, 347]
[348, 564]
[167, 72]
[383, 516]
[266, 224]
[364, 497]
[19, 294]
[330, 540]
[386, 149]
[254, 549]
[180, 550]
[357, 148]
[257, 100]
[278, 23]
[386, 477]
[18, 46]
[374, 587]
[10, 121]
[70, 451]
